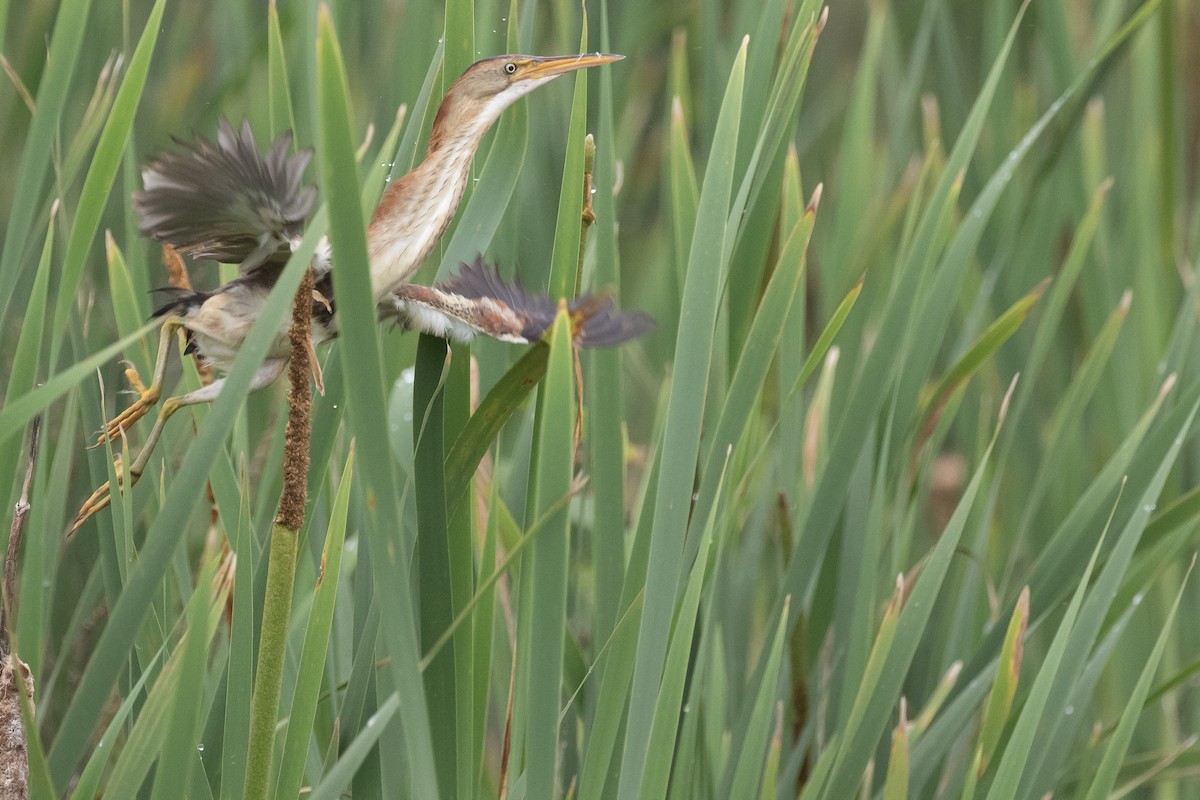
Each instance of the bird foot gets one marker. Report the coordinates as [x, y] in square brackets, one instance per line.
[135, 380]
[147, 398]
[101, 498]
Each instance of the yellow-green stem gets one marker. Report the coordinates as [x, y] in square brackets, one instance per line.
[589, 215]
[281, 568]
[264, 706]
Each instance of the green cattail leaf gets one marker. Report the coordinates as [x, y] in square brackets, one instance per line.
[316, 643]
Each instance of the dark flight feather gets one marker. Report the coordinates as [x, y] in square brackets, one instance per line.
[225, 201]
[479, 299]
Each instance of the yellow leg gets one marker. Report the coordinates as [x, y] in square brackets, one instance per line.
[148, 396]
[102, 497]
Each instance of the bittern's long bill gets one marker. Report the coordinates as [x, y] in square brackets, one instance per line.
[225, 201]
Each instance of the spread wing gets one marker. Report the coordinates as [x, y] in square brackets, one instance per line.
[225, 201]
[479, 301]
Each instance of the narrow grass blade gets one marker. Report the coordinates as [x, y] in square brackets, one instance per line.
[180, 750]
[1082, 388]
[23, 371]
[88, 785]
[1004, 691]
[564, 260]
[375, 174]
[154, 730]
[242, 648]
[279, 97]
[1118, 745]
[406, 154]
[70, 24]
[1062, 726]
[604, 382]
[17, 414]
[126, 308]
[1059, 557]
[747, 773]
[1052, 310]
[102, 173]
[867, 684]
[858, 165]
[437, 535]
[895, 785]
[333, 785]
[1012, 761]
[984, 347]
[932, 321]
[761, 342]
[684, 189]
[615, 672]
[861, 736]
[445, 546]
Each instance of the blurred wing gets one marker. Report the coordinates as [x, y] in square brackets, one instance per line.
[225, 201]
[479, 301]
[598, 324]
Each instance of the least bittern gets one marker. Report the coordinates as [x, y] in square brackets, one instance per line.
[225, 201]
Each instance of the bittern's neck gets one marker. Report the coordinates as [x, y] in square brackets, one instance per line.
[415, 211]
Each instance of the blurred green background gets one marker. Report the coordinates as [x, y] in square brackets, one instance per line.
[1004, 189]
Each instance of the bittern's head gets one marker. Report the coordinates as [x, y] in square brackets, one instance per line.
[489, 86]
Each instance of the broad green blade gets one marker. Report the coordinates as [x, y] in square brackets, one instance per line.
[681, 437]
[549, 563]
[367, 415]
[675, 670]
[316, 644]
[484, 426]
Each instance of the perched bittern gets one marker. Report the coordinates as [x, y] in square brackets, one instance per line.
[225, 201]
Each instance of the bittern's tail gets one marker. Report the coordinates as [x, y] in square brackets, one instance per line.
[598, 324]
[479, 301]
[225, 201]
[179, 301]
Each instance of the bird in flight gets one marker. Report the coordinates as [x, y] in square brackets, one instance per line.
[226, 201]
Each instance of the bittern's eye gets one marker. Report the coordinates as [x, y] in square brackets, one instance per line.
[510, 68]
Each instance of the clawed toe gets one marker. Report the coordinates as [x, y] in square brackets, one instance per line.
[135, 380]
[99, 500]
[102, 497]
[124, 421]
[147, 398]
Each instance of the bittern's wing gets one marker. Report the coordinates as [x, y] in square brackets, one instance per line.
[479, 301]
[225, 201]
